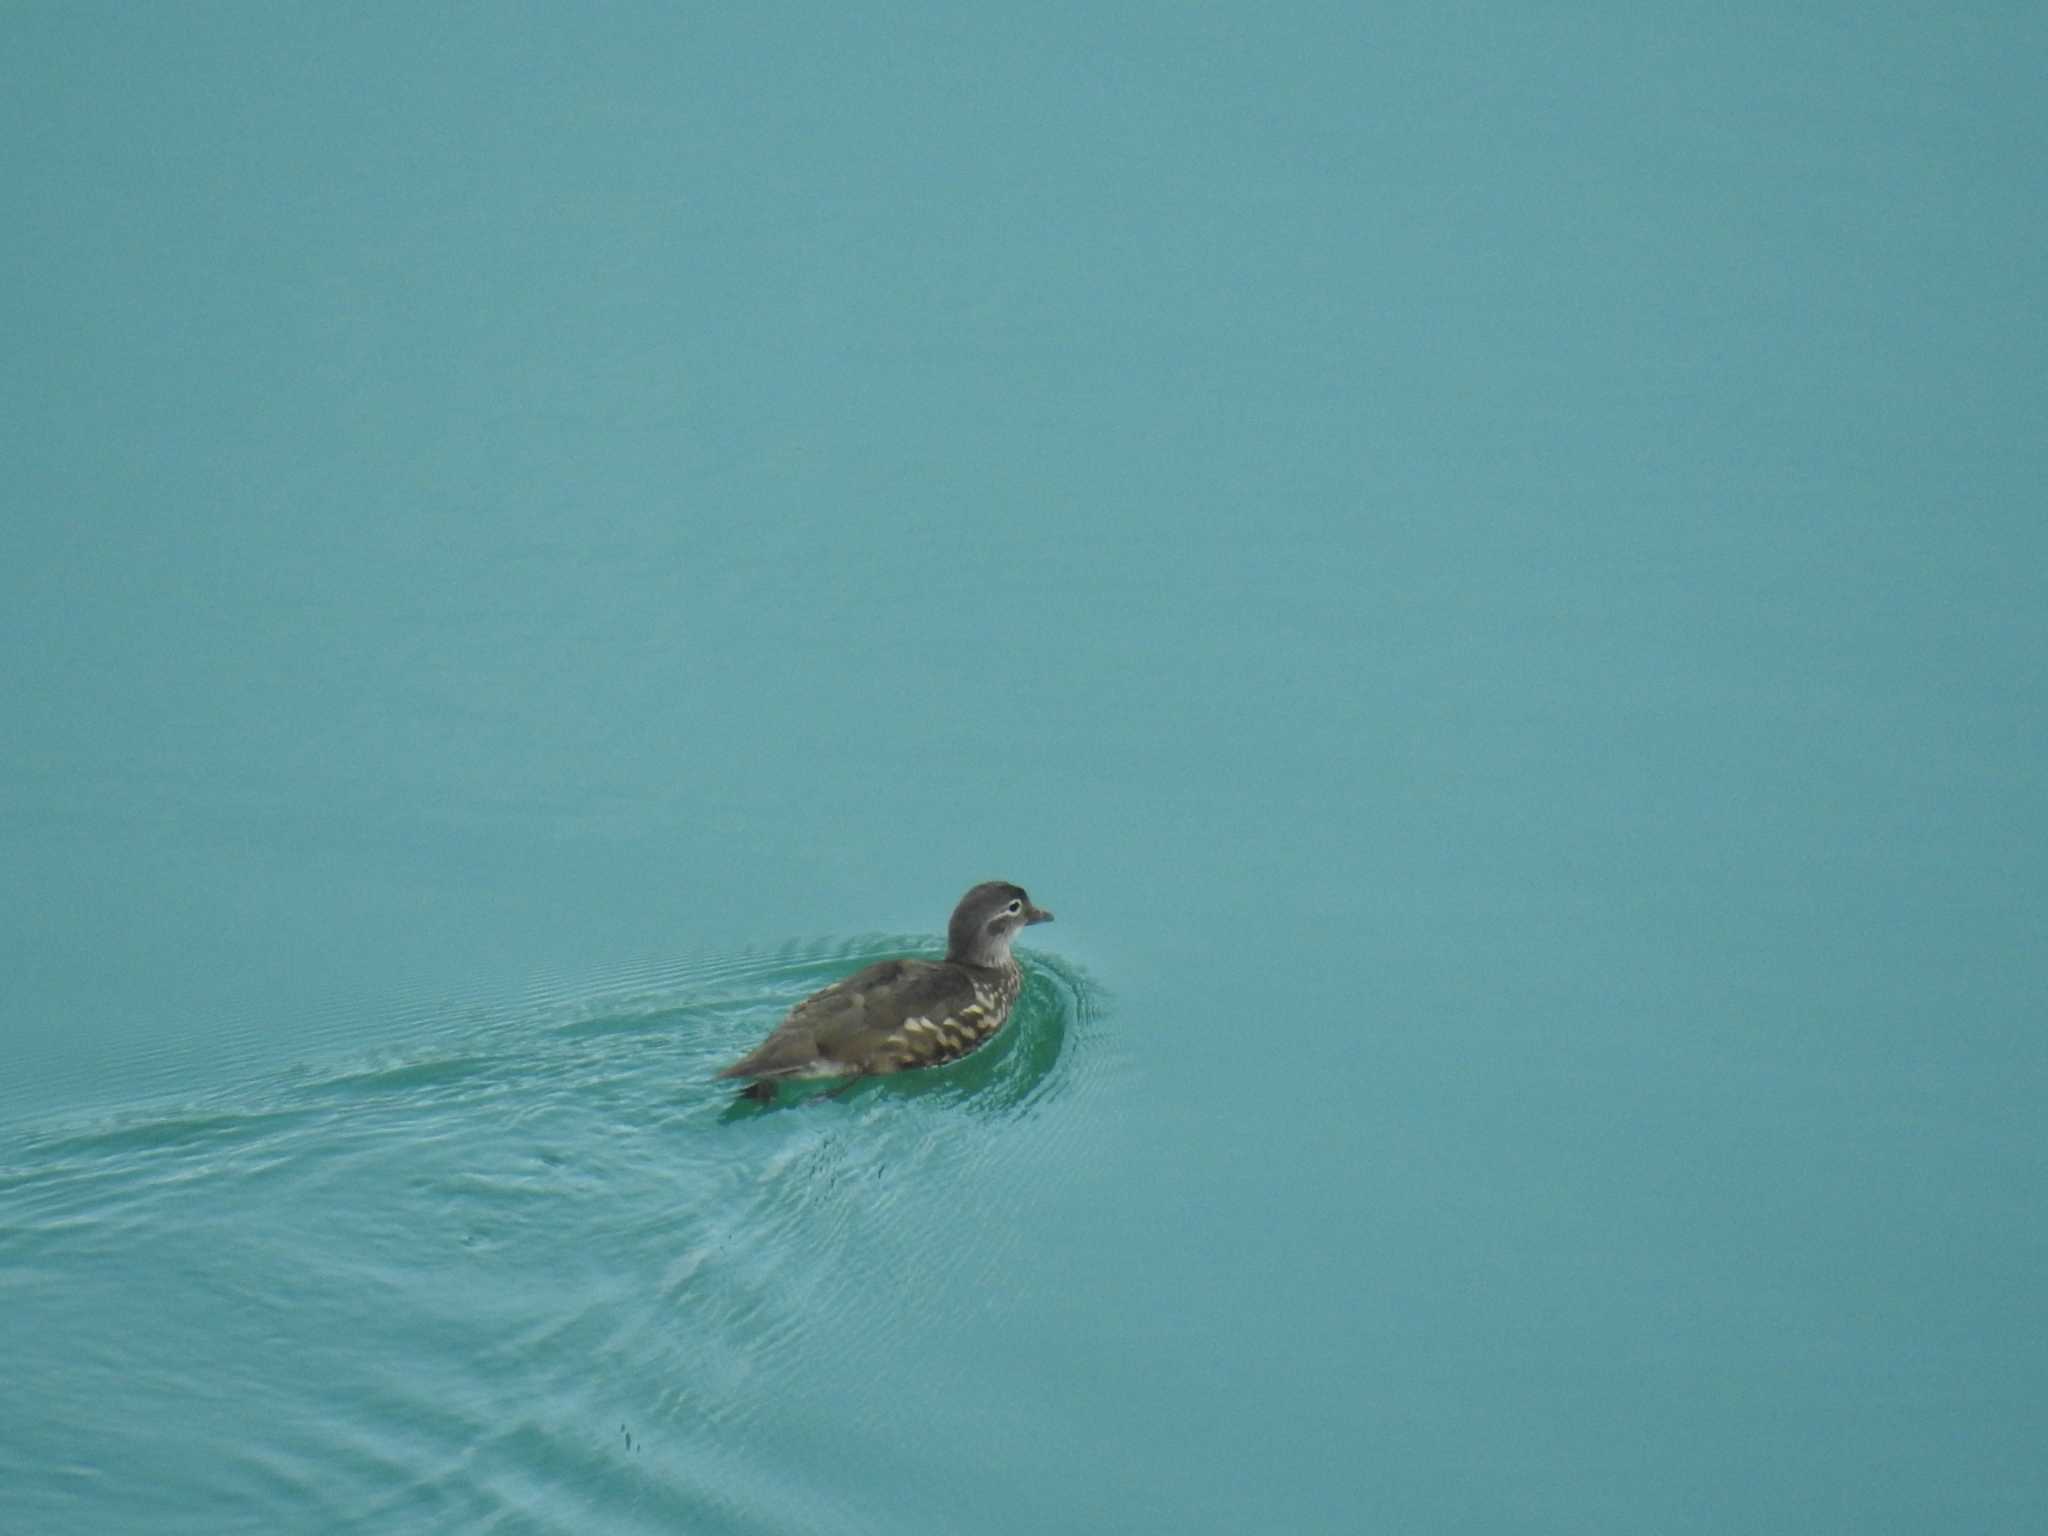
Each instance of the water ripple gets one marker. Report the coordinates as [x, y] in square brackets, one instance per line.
[537, 1268]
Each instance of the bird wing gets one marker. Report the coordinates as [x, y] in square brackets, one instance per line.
[834, 1025]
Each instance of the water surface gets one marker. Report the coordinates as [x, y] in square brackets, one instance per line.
[1487, 563]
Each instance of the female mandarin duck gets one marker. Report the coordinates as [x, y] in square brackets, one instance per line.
[904, 1013]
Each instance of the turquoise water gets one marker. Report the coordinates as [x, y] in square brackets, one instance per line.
[1488, 563]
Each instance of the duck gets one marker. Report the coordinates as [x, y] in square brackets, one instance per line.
[899, 1015]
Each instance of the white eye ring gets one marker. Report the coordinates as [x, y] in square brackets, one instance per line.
[1014, 907]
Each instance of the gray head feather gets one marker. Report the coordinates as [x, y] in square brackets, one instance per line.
[985, 922]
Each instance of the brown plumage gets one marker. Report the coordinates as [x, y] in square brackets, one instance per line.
[906, 1013]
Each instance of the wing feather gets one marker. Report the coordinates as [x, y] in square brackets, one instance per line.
[839, 1027]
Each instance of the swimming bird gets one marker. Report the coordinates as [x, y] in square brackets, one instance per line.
[904, 1013]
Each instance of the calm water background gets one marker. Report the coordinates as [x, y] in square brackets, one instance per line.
[1488, 561]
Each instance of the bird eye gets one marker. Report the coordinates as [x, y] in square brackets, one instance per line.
[1014, 907]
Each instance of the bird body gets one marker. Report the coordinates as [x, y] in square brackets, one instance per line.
[905, 1013]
